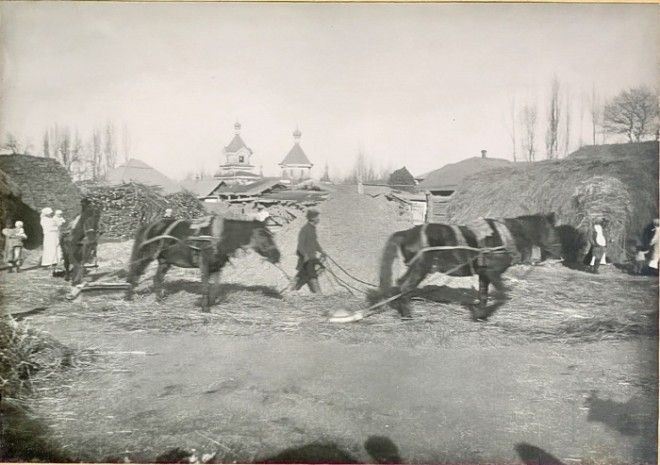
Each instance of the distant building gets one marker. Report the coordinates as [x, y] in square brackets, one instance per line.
[296, 167]
[440, 185]
[138, 171]
[237, 167]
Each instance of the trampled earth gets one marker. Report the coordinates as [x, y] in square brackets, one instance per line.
[568, 365]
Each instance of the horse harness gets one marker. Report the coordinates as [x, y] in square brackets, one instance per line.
[482, 230]
[196, 238]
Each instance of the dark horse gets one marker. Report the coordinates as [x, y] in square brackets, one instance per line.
[207, 246]
[485, 247]
[79, 241]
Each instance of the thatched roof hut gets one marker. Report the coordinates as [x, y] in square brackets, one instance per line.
[39, 182]
[402, 178]
[137, 171]
[619, 182]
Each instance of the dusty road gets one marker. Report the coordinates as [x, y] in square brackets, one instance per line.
[249, 399]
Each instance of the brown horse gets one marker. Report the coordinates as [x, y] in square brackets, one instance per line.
[79, 241]
[206, 246]
[486, 248]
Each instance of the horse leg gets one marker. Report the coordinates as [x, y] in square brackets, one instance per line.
[410, 280]
[163, 267]
[598, 252]
[67, 264]
[213, 287]
[135, 270]
[206, 287]
[481, 311]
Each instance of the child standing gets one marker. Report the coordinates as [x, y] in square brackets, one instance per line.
[14, 238]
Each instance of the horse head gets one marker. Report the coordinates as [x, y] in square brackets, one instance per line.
[550, 239]
[540, 230]
[88, 234]
[263, 243]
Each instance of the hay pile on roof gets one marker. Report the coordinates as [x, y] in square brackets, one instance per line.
[42, 182]
[452, 175]
[125, 206]
[621, 177]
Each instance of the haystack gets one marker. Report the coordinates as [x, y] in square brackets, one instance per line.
[604, 197]
[618, 182]
[42, 182]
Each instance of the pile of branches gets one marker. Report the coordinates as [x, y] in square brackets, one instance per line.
[126, 206]
[185, 205]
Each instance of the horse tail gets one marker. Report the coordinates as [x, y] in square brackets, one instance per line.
[389, 254]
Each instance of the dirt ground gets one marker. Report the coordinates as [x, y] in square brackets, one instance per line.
[568, 365]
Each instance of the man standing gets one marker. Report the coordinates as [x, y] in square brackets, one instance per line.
[598, 243]
[307, 251]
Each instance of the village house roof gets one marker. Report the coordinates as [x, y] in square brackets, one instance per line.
[451, 176]
[254, 188]
[225, 173]
[201, 187]
[138, 171]
[401, 177]
[43, 182]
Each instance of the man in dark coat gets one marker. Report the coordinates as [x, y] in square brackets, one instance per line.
[308, 251]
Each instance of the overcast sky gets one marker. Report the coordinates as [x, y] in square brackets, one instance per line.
[419, 85]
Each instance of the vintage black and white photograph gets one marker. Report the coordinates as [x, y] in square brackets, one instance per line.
[329, 232]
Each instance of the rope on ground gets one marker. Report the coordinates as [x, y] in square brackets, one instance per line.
[349, 274]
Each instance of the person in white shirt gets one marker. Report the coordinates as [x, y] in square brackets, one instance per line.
[50, 230]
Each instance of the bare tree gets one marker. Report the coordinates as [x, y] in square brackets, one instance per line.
[126, 143]
[595, 113]
[110, 147]
[15, 146]
[567, 131]
[554, 115]
[633, 113]
[581, 126]
[363, 169]
[528, 123]
[46, 144]
[326, 174]
[64, 147]
[512, 127]
[97, 155]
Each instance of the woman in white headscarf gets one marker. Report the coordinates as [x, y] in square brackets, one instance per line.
[50, 229]
[59, 221]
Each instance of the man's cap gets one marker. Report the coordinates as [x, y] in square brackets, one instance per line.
[311, 214]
